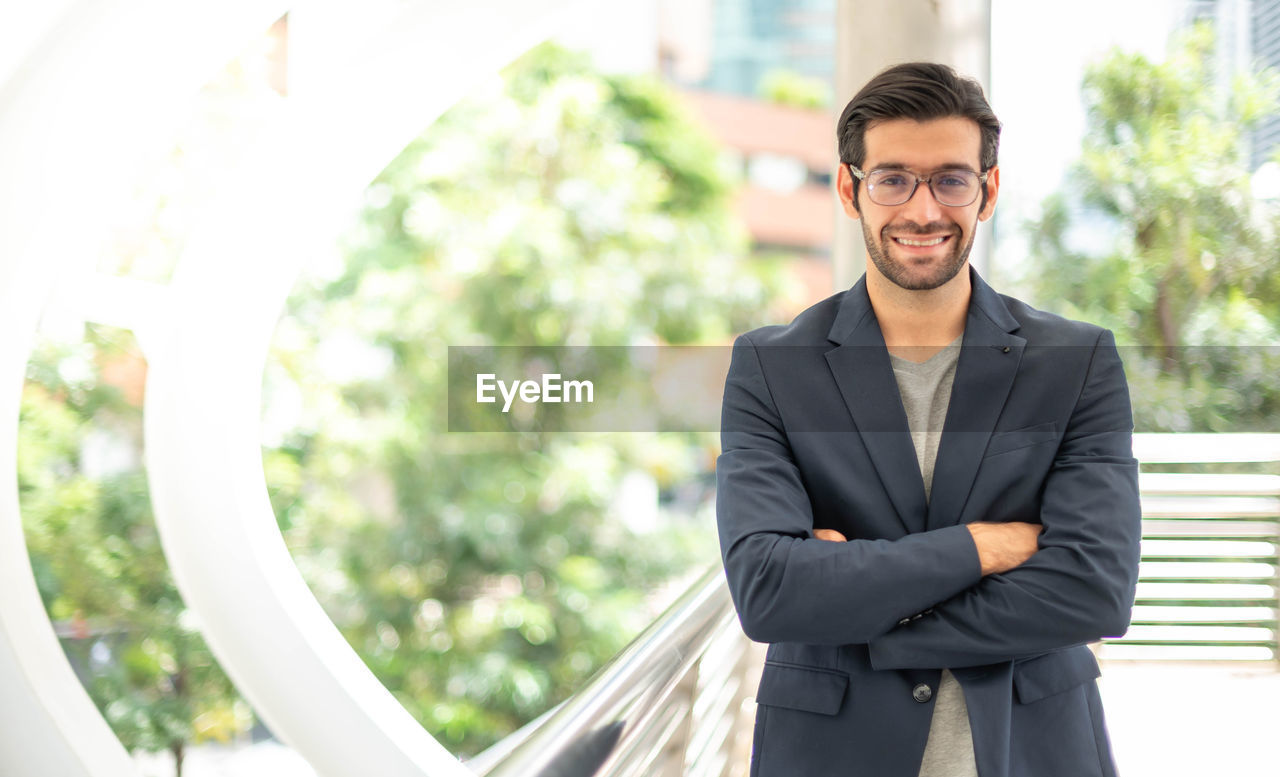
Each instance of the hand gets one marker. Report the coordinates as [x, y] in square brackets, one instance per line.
[1003, 546]
[830, 535]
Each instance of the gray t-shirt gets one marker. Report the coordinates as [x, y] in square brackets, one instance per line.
[925, 388]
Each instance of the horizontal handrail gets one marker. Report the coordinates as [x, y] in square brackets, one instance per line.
[1181, 448]
[1210, 544]
[578, 737]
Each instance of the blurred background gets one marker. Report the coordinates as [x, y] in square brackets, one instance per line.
[654, 173]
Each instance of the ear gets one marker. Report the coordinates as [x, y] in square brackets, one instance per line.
[845, 184]
[993, 188]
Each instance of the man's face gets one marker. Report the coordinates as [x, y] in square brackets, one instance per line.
[919, 244]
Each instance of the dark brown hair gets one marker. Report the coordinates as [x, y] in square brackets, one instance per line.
[920, 91]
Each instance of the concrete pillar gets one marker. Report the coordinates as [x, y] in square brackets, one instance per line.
[874, 34]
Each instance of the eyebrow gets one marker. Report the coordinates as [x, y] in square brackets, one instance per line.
[901, 166]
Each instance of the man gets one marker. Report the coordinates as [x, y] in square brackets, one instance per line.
[927, 498]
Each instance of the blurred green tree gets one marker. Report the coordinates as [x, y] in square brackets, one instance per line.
[1189, 277]
[96, 554]
[787, 87]
[483, 577]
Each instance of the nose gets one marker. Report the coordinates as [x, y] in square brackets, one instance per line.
[923, 207]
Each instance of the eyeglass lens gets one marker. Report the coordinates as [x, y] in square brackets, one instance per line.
[955, 188]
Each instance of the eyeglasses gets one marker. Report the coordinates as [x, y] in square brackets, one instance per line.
[953, 188]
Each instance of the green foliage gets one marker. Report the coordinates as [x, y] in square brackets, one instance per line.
[97, 558]
[786, 87]
[1190, 277]
[484, 577]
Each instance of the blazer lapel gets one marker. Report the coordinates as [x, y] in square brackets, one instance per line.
[985, 372]
[864, 375]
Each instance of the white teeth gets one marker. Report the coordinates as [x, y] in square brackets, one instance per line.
[907, 242]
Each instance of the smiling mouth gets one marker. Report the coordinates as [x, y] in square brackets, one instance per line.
[933, 241]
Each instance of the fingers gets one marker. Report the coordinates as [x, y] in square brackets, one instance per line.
[830, 535]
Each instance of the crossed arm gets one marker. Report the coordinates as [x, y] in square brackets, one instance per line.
[992, 591]
[1000, 546]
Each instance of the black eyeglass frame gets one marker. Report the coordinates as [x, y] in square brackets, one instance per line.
[926, 179]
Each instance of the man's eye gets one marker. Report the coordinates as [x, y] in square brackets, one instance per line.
[893, 179]
[952, 180]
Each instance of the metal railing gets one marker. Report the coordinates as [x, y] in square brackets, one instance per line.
[676, 702]
[669, 705]
[1207, 587]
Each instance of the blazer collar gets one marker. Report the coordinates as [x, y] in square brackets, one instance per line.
[985, 371]
[855, 321]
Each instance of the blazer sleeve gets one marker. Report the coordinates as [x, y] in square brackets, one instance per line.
[1079, 585]
[788, 586]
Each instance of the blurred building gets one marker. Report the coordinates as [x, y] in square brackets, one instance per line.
[1248, 33]
[1265, 39]
[785, 158]
[752, 38]
[731, 46]
[721, 53]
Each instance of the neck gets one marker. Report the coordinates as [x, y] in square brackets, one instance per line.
[917, 324]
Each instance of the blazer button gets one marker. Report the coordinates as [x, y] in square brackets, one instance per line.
[922, 693]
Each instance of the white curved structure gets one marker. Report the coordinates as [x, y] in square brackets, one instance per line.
[102, 82]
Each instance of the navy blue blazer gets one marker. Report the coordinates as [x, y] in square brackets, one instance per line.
[814, 435]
